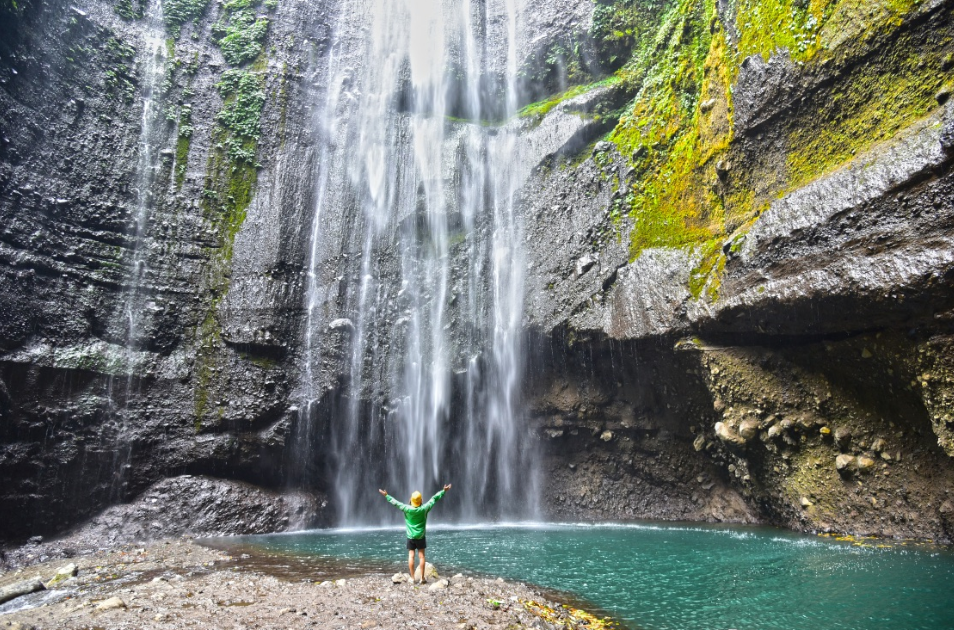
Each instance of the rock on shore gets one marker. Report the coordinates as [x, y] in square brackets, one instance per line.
[177, 583]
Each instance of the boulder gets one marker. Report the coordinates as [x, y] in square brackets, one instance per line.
[748, 429]
[845, 463]
[400, 578]
[17, 589]
[699, 443]
[842, 438]
[865, 463]
[727, 435]
[113, 603]
[430, 572]
[62, 574]
[439, 585]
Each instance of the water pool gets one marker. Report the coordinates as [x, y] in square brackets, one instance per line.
[659, 577]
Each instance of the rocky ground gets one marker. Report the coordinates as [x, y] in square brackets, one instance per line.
[177, 583]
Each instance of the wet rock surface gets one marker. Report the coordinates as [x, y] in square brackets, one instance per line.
[183, 505]
[177, 584]
[808, 382]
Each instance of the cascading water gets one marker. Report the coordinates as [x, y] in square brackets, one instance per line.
[133, 306]
[420, 284]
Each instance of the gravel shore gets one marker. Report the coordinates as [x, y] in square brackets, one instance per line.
[178, 583]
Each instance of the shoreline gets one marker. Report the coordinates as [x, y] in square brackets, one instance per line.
[181, 583]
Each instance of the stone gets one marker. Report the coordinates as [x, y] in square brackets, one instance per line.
[699, 443]
[748, 429]
[842, 438]
[707, 105]
[113, 603]
[343, 324]
[341, 582]
[62, 574]
[430, 571]
[606, 436]
[727, 435]
[878, 445]
[439, 585]
[805, 502]
[18, 589]
[845, 463]
[16, 625]
[865, 463]
[400, 578]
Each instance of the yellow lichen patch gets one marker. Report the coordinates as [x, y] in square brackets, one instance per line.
[668, 137]
[567, 616]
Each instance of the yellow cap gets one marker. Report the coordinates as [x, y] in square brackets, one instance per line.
[417, 499]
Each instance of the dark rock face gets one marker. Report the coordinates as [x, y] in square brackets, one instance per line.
[183, 505]
[92, 409]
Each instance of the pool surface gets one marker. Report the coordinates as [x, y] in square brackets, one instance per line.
[659, 577]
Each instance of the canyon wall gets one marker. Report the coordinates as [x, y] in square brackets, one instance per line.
[738, 219]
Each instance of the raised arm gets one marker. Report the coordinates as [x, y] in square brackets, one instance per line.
[434, 499]
[394, 502]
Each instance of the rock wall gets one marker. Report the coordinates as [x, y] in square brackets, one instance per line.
[797, 337]
[93, 410]
[739, 243]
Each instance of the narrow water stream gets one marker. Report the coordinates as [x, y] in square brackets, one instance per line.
[658, 577]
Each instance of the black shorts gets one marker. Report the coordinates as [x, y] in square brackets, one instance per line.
[416, 543]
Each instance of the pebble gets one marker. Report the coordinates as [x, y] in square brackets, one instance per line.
[112, 603]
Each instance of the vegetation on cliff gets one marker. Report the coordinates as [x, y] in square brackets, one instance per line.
[855, 73]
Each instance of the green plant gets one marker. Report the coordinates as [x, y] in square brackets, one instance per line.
[244, 38]
[175, 13]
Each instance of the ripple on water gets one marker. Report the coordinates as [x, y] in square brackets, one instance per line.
[680, 577]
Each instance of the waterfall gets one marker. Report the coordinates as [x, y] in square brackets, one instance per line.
[134, 304]
[415, 272]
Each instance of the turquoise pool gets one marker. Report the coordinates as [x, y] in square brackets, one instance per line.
[660, 577]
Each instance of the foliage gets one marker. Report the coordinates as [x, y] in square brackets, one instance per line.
[127, 10]
[542, 108]
[681, 64]
[175, 13]
[121, 77]
[244, 94]
[239, 34]
[244, 39]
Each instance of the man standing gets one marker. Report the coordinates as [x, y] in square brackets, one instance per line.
[415, 518]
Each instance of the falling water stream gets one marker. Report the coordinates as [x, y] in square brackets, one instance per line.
[133, 306]
[425, 299]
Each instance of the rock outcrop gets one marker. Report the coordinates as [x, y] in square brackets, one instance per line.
[739, 240]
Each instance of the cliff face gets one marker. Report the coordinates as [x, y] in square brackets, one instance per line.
[152, 255]
[738, 215]
[771, 271]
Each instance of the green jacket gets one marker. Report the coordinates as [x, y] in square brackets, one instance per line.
[415, 517]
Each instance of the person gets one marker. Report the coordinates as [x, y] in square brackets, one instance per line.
[415, 519]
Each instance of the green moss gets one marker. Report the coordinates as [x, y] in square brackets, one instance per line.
[670, 141]
[128, 10]
[175, 13]
[872, 105]
[679, 129]
[239, 33]
[542, 108]
[705, 275]
[229, 188]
